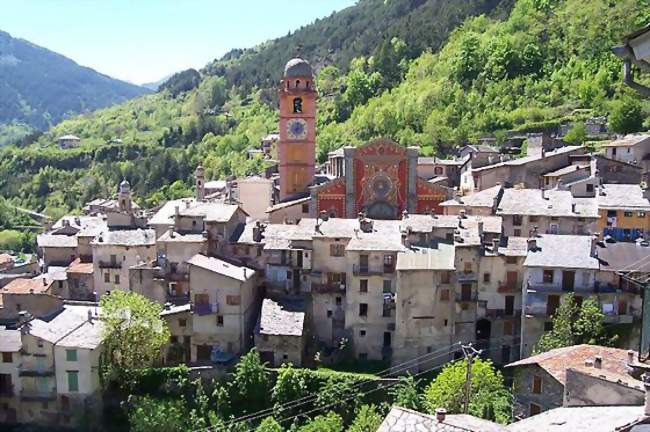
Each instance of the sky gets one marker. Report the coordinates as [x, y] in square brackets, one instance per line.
[145, 40]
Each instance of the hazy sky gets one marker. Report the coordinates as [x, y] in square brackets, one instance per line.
[144, 40]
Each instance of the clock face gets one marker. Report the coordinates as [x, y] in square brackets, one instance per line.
[382, 186]
[297, 129]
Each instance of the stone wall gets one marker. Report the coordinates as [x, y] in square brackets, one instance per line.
[551, 396]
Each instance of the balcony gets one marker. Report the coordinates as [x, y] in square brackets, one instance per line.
[328, 288]
[467, 297]
[206, 308]
[178, 299]
[34, 395]
[34, 371]
[358, 270]
[466, 276]
[618, 319]
[109, 265]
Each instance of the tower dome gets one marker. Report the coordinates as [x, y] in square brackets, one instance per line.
[297, 67]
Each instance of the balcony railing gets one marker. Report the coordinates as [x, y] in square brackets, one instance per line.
[109, 265]
[206, 308]
[34, 371]
[465, 298]
[38, 395]
[366, 270]
[178, 299]
[466, 276]
[325, 288]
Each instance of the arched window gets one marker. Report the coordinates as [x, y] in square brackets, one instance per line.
[297, 83]
[297, 105]
[307, 85]
[288, 82]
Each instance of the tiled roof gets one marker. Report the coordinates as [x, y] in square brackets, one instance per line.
[621, 197]
[87, 336]
[136, 237]
[435, 161]
[566, 170]
[56, 328]
[385, 236]
[282, 318]
[276, 231]
[514, 246]
[628, 140]
[406, 420]
[56, 241]
[623, 256]
[78, 267]
[286, 204]
[557, 361]
[484, 198]
[211, 211]
[580, 419]
[165, 215]
[181, 238]
[553, 203]
[528, 159]
[27, 286]
[216, 265]
[562, 251]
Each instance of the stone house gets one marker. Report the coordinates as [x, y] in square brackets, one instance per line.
[10, 390]
[540, 381]
[403, 420]
[57, 249]
[290, 212]
[179, 320]
[632, 148]
[81, 282]
[114, 252]
[255, 194]
[431, 167]
[225, 303]
[280, 332]
[552, 212]
[477, 203]
[37, 296]
[554, 266]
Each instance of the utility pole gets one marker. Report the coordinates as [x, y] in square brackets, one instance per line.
[469, 352]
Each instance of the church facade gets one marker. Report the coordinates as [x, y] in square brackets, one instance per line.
[379, 178]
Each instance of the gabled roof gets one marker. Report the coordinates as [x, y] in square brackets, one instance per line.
[56, 241]
[562, 251]
[38, 285]
[86, 336]
[61, 325]
[438, 258]
[580, 419]
[135, 237]
[557, 361]
[622, 197]
[406, 420]
[215, 265]
[628, 140]
[483, 198]
[281, 318]
[10, 340]
[555, 203]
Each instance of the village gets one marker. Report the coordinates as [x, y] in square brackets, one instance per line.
[410, 260]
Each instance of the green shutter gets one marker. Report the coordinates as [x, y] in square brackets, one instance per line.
[73, 381]
[71, 355]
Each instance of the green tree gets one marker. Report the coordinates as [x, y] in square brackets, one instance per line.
[250, 383]
[330, 422]
[405, 393]
[588, 326]
[577, 135]
[147, 414]
[488, 391]
[291, 384]
[269, 424]
[562, 333]
[626, 115]
[368, 419]
[339, 395]
[133, 332]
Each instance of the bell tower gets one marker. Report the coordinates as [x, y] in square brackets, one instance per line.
[297, 146]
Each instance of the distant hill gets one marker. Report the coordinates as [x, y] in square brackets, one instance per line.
[39, 88]
[155, 84]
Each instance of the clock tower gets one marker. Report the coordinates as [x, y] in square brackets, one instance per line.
[297, 146]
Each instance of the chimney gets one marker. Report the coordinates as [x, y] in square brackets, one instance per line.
[646, 385]
[170, 231]
[463, 214]
[366, 225]
[324, 216]
[433, 214]
[168, 306]
[589, 363]
[495, 245]
[258, 232]
[66, 222]
[244, 272]
[405, 214]
[177, 211]
[630, 356]
[543, 152]
[594, 246]
[441, 413]
[44, 282]
[598, 362]
[31, 290]
[77, 220]
[480, 230]
[532, 244]
[187, 204]
[573, 208]
[90, 315]
[543, 193]
[405, 240]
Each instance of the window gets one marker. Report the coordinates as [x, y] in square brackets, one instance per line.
[297, 103]
[173, 339]
[329, 314]
[437, 171]
[363, 285]
[516, 233]
[444, 295]
[338, 301]
[305, 208]
[537, 384]
[641, 214]
[7, 357]
[445, 277]
[507, 328]
[201, 299]
[548, 276]
[585, 278]
[590, 188]
[363, 309]
[117, 279]
[363, 356]
[182, 322]
[466, 292]
[219, 320]
[486, 277]
[337, 250]
[533, 218]
[233, 300]
[107, 278]
[113, 260]
[362, 333]
[517, 220]
[628, 214]
[467, 267]
[511, 260]
[71, 355]
[387, 286]
[39, 343]
[389, 261]
[73, 381]
[534, 409]
[548, 326]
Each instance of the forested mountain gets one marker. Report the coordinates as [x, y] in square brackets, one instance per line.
[519, 66]
[39, 88]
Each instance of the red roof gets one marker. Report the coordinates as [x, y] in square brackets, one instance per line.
[27, 286]
[557, 361]
[78, 267]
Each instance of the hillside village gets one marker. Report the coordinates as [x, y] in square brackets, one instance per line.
[408, 259]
